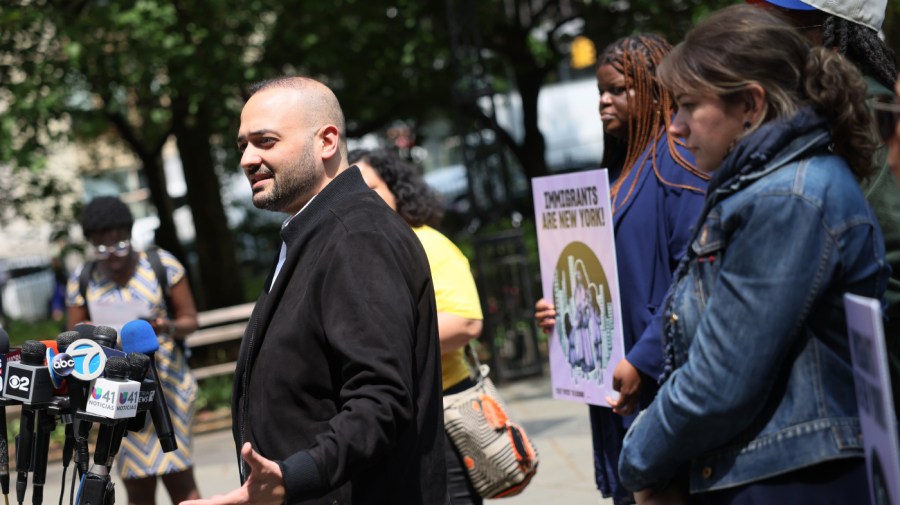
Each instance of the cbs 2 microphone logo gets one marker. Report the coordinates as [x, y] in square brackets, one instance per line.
[18, 384]
[22, 383]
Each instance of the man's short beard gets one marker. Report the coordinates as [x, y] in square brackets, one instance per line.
[288, 184]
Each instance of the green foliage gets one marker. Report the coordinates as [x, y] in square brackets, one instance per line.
[215, 392]
[386, 60]
[19, 331]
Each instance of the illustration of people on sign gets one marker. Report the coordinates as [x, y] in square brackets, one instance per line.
[580, 291]
[585, 334]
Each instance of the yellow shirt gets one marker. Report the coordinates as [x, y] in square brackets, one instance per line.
[454, 292]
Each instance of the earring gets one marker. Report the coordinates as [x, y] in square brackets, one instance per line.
[747, 125]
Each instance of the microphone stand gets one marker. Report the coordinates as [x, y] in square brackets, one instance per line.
[4, 450]
[24, 451]
[46, 423]
[97, 488]
[68, 449]
[96, 485]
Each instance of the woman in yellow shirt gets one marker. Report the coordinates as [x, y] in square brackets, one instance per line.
[458, 307]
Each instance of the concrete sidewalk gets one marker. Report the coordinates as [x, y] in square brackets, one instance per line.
[559, 429]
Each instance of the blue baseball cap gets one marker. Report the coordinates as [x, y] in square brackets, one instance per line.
[796, 5]
[864, 12]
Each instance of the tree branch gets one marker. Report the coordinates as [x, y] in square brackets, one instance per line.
[478, 114]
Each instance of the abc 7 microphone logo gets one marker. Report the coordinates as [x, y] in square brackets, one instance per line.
[88, 359]
[63, 364]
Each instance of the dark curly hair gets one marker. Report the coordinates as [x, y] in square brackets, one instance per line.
[105, 213]
[417, 204]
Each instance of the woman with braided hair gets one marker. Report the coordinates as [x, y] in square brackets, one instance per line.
[656, 197]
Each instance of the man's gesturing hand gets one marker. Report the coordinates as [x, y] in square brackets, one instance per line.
[264, 487]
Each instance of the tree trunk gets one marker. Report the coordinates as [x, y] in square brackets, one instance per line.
[531, 152]
[166, 237]
[219, 275]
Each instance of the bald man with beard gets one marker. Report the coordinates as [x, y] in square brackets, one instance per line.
[337, 395]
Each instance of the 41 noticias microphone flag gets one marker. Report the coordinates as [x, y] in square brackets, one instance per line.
[114, 396]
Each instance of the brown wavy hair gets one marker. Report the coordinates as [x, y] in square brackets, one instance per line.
[743, 45]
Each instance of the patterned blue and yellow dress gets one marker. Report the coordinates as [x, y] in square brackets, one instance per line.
[140, 454]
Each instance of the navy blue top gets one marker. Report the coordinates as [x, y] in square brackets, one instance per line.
[652, 229]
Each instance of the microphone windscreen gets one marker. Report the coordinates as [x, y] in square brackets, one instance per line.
[138, 336]
[65, 338]
[4, 341]
[139, 364]
[106, 336]
[117, 368]
[85, 330]
[33, 353]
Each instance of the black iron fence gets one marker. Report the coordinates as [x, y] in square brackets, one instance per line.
[510, 341]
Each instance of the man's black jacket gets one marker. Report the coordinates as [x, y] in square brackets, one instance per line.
[338, 378]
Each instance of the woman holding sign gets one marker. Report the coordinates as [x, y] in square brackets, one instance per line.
[758, 404]
[656, 197]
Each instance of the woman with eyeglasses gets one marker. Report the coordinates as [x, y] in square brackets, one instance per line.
[118, 275]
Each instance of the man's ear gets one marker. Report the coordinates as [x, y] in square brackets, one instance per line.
[328, 141]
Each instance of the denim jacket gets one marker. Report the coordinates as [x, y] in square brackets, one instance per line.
[759, 371]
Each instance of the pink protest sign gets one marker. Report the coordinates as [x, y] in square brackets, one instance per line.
[578, 274]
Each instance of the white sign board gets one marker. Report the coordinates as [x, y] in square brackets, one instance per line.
[873, 394]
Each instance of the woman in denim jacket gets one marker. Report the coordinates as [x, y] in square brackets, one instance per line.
[758, 403]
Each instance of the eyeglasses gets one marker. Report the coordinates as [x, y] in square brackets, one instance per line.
[119, 249]
[886, 116]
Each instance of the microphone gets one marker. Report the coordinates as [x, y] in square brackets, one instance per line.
[12, 355]
[88, 362]
[91, 361]
[138, 336]
[60, 363]
[85, 330]
[106, 336]
[89, 358]
[113, 397]
[45, 426]
[140, 365]
[60, 367]
[29, 381]
[4, 446]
